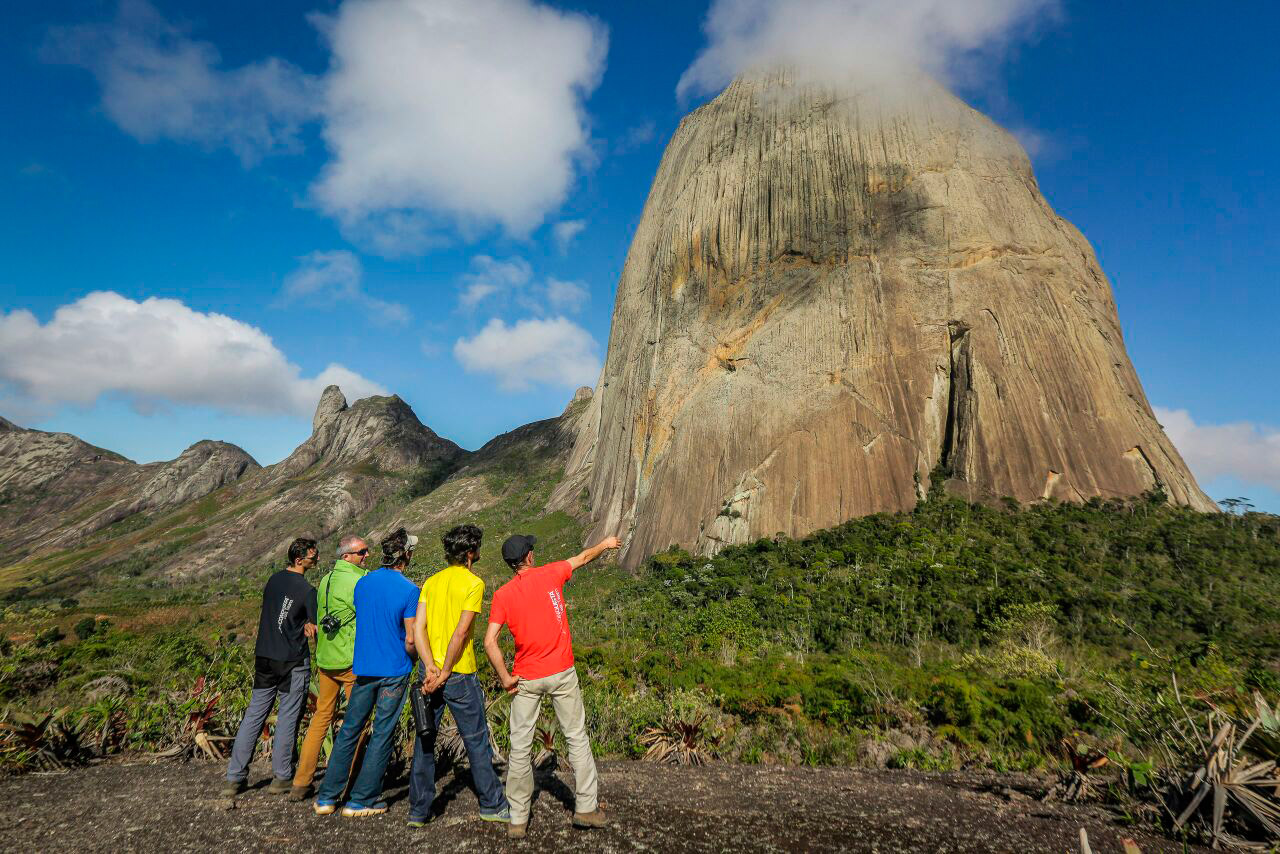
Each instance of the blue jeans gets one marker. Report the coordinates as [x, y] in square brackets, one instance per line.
[370, 693]
[462, 694]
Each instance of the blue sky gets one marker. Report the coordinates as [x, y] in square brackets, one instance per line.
[174, 151]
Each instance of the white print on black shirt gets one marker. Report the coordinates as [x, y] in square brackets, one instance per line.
[559, 607]
[284, 612]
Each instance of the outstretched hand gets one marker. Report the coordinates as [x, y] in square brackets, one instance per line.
[611, 543]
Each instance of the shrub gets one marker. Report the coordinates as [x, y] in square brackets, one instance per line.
[85, 628]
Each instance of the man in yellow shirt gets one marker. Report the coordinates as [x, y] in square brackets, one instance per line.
[447, 609]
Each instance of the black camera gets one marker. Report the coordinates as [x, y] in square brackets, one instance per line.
[330, 624]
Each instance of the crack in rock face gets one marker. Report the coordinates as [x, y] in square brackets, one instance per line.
[815, 267]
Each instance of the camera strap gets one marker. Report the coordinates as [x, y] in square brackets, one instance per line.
[329, 585]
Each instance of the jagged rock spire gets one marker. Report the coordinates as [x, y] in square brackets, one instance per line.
[332, 402]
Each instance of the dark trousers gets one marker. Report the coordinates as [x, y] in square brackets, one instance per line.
[462, 694]
[384, 698]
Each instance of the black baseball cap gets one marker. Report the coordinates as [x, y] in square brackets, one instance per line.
[517, 546]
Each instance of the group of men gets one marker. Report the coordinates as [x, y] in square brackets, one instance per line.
[368, 628]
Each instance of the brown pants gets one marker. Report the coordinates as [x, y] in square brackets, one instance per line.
[328, 683]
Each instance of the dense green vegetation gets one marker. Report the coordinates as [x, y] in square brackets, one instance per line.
[954, 634]
[973, 633]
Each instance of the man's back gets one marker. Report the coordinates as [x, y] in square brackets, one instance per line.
[384, 599]
[336, 595]
[532, 607]
[446, 595]
[288, 603]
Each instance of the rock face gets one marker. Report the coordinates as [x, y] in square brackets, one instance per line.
[33, 458]
[199, 470]
[833, 294]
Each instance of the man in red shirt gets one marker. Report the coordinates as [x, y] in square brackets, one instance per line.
[532, 606]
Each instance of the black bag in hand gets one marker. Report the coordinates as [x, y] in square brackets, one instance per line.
[424, 722]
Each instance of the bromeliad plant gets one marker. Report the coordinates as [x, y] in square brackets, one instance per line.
[677, 742]
[194, 741]
[51, 743]
[1234, 789]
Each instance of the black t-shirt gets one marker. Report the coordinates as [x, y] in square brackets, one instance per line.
[288, 603]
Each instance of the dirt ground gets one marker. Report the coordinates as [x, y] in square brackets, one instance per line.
[143, 807]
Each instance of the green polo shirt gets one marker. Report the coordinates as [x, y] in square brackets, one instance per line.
[335, 595]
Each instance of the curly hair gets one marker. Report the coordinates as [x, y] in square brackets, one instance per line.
[299, 548]
[395, 548]
[461, 541]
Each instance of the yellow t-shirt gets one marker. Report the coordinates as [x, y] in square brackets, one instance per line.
[447, 594]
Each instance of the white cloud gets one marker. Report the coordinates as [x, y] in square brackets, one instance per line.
[462, 113]
[564, 232]
[1244, 451]
[868, 39]
[641, 134]
[553, 351]
[566, 296]
[510, 282]
[157, 83]
[154, 352]
[491, 277]
[441, 116]
[330, 278]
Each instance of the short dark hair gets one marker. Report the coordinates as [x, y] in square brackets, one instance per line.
[298, 549]
[395, 548]
[460, 541]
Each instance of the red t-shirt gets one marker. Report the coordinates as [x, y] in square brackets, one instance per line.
[532, 606]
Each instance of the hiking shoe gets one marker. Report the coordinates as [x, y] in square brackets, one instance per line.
[516, 831]
[279, 787]
[503, 815]
[354, 810]
[415, 823]
[231, 788]
[301, 793]
[595, 818]
[324, 807]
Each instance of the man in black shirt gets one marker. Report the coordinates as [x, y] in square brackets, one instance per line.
[282, 668]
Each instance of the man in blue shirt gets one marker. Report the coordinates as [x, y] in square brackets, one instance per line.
[386, 604]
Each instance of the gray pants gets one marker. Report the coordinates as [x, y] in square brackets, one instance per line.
[293, 694]
[566, 699]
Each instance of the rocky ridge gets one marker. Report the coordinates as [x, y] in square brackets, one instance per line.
[214, 508]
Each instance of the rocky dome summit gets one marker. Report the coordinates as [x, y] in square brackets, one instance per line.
[833, 296]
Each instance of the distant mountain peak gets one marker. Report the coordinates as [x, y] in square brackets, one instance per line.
[383, 430]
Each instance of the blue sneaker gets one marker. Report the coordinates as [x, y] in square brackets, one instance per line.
[503, 815]
[324, 807]
[355, 810]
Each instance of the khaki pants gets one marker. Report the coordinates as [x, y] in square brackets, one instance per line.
[328, 684]
[566, 699]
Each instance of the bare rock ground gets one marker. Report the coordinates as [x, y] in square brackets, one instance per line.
[123, 807]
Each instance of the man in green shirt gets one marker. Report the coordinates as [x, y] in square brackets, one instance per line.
[335, 649]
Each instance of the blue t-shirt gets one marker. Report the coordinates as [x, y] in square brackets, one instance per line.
[384, 599]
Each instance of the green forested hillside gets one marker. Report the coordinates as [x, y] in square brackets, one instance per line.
[954, 634]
